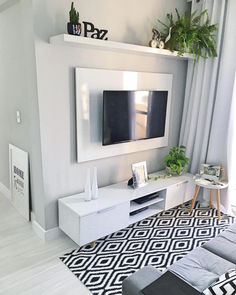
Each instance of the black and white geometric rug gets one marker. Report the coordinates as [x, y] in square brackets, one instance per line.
[158, 241]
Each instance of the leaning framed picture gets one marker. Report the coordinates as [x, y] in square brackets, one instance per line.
[19, 180]
[211, 172]
[139, 171]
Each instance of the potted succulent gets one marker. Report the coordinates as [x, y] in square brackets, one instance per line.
[74, 27]
[175, 161]
[190, 33]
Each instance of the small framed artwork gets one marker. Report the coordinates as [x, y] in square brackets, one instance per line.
[211, 172]
[139, 171]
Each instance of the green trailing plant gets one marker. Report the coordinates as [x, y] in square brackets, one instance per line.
[190, 33]
[74, 15]
[154, 178]
[175, 161]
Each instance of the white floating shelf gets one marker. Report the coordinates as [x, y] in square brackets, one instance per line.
[77, 41]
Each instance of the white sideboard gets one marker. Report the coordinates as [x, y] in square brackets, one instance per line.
[86, 221]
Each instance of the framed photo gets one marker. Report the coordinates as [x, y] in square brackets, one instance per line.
[211, 172]
[139, 171]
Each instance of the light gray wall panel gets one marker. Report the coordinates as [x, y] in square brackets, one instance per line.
[127, 21]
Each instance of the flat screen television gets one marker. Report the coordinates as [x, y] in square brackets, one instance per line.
[133, 115]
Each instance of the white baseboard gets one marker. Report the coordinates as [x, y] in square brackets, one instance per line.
[45, 235]
[5, 191]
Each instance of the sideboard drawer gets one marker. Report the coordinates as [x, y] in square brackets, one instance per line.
[175, 195]
[104, 222]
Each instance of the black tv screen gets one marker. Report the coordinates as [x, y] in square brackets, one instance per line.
[133, 115]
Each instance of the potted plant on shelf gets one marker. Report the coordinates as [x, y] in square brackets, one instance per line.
[175, 161]
[74, 27]
[190, 34]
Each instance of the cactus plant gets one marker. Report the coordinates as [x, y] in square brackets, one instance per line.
[74, 27]
[74, 15]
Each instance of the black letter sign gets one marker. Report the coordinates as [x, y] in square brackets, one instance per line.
[96, 33]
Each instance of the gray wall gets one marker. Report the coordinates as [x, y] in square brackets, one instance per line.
[128, 21]
[54, 171]
[13, 90]
[18, 91]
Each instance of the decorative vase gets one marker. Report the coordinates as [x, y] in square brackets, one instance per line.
[74, 29]
[87, 189]
[95, 185]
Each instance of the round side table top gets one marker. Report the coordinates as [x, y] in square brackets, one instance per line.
[209, 184]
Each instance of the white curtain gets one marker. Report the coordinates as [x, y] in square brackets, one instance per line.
[208, 124]
[231, 155]
[200, 95]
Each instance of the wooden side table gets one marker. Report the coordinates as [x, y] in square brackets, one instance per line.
[207, 184]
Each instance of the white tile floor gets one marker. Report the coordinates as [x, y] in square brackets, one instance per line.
[30, 266]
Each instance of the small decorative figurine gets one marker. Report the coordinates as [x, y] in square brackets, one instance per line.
[156, 40]
[154, 43]
[169, 35]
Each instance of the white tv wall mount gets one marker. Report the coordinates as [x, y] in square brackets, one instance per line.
[90, 84]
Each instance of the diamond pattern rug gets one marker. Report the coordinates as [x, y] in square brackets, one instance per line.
[158, 241]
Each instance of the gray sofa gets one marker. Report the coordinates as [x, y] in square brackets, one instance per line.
[200, 268]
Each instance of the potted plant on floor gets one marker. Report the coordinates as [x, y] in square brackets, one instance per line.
[74, 27]
[175, 161]
[190, 34]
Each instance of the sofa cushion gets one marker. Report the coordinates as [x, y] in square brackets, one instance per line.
[139, 280]
[226, 284]
[224, 244]
[201, 268]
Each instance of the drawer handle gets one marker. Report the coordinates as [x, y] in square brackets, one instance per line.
[106, 210]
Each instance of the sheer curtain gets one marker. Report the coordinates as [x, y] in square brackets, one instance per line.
[231, 155]
[200, 94]
[209, 109]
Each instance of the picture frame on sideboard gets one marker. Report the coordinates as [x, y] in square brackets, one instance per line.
[139, 171]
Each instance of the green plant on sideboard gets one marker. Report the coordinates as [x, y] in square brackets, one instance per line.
[190, 34]
[175, 161]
